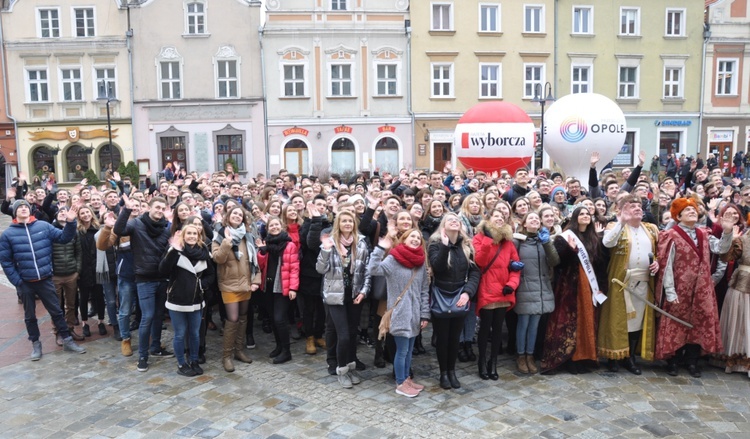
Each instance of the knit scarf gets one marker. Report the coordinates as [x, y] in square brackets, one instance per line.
[102, 267]
[237, 234]
[407, 256]
[474, 220]
[153, 228]
[275, 244]
[344, 243]
[195, 253]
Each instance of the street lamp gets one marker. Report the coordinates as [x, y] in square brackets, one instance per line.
[105, 95]
[543, 96]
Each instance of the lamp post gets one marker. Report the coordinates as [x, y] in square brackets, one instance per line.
[105, 95]
[543, 96]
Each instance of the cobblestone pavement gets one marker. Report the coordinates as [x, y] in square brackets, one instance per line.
[100, 394]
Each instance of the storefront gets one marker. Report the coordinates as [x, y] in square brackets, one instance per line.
[660, 135]
[70, 151]
[201, 137]
[347, 148]
[725, 137]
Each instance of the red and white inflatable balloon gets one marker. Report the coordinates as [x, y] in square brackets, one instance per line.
[494, 135]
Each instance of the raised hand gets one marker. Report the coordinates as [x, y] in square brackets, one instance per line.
[10, 193]
[727, 224]
[84, 182]
[116, 176]
[736, 232]
[385, 242]
[594, 158]
[598, 227]
[73, 212]
[642, 158]
[572, 242]
[169, 214]
[326, 241]
[259, 242]
[109, 219]
[217, 217]
[22, 176]
[130, 203]
[444, 237]
[176, 243]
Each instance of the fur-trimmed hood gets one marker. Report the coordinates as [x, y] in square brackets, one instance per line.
[498, 234]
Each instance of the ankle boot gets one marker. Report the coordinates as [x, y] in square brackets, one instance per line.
[239, 341]
[630, 364]
[453, 379]
[379, 360]
[418, 347]
[470, 355]
[277, 350]
[521, 364]
[444, 381]
[230, 333]
[482, 364]
[310, 348]
[462, 355]
[612, 365]
[284, 356]
[492, 368]
[531, 364]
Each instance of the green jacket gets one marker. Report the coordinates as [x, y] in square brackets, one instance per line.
[66, 258]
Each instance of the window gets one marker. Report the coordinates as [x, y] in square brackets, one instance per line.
[726, 77]
[387, 83]
[489, 18]
[583, 20]
[580, 79]
[341, 80]
[338, 5]
[106, 74]
[629, 22]
[38, 86]
[490, 81]
[49, 23]
[228, 79]
[386, 155]
[675, 23]
[169, 78]
[76, 161]
[533, 80]
[442, 16]
[84, 22]
[230, 146]
[296, 157]
[442, 80]
[343, 156]
[628, 83]
[672, 82]
[294, 81]
[105, 159]
[196, 18]
[71, 85]
[533, 18]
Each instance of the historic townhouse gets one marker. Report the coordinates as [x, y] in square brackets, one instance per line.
[726, 94]
[198, 84]
[8, 156]
[644, 55]
[337, 84]
[66, 62]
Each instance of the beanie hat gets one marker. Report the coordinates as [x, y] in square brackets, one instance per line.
[213, 206]
[356, 197]
[556, 189]
[19, 203]
[679, 205]
[555, 174]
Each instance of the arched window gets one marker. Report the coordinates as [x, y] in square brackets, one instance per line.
[105, 159]
[343, 156]
[296, 156]
[41, 157]
[386, 155]
[76, 162]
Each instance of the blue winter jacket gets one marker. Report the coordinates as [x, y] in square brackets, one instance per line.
[26, 249]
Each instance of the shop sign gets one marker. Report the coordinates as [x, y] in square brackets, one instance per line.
[673, 123]
[721, 136]
[343, 129]
[71, 134]
[387, 129]
[296, 130]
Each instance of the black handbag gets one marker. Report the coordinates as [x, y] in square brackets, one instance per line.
[443, 303]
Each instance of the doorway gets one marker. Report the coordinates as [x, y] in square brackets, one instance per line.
[441, 155]
[723, 153]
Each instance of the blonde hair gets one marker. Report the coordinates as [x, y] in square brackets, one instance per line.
[94, 222]
[465, 205]
[181, 235]
[466, 244]
[336, 233]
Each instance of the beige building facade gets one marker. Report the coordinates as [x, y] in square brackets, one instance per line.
[58, 62]
[727, 81]
[337, 86]
[198, 95]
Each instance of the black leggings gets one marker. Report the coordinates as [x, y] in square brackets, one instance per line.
[448, 332]
[313, 314]
[279, 310]
[344, 320]
[490, 319]
[96, 293]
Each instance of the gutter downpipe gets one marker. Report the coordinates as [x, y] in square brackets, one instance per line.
[265, 100]
[409, 97]
[129, 38]
[706, 36]
[555, 62]
[7, 103]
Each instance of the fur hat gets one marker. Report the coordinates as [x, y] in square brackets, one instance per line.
[679, 204]
[356, 197]
[19, 203]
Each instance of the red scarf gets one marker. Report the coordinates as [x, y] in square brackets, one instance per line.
[407, 256]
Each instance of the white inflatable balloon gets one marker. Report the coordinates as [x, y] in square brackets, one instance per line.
[577, 125]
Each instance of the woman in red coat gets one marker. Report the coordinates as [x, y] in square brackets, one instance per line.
[279, 261]
[495, 251]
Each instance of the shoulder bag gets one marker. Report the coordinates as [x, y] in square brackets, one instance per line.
[444, 303]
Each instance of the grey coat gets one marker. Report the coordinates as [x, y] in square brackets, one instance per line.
[329, 265]
[534, 294]
[415, 305]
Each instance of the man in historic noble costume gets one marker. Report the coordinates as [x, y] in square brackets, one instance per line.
[685, 290]
[625, 320]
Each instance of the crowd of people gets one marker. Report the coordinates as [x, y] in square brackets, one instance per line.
[561, 273]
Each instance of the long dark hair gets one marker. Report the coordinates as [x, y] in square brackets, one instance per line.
[588, 237]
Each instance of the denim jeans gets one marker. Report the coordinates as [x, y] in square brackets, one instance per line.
[151, 296]
[45, 289]
[470, 324]
[186, 324]
[402, 360]
[110, 300]
[526, 333]
[127, 291]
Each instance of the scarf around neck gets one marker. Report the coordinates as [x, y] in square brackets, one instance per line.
[195, 253]
[407, 256]
[344, 243]
[275, 244]
[236, 235]
[153, 228]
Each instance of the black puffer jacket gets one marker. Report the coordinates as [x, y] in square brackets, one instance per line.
[66, 258]
[453, 277]
[87, 273]
[309, 237]
[147, 250]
